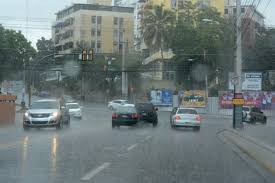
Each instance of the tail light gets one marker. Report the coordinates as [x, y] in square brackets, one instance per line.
[134, 115]
[114, 115]
[177, 118]
[198, 118]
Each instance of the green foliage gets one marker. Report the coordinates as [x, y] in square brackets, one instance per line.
[202, 36]
[15, 50]
[157, 25]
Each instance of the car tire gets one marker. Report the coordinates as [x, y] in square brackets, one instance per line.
[113, 125]
[265, 120]
[252, 120]
[197, 128]
[59, 125]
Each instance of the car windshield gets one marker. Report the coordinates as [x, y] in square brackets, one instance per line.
[73, 106]
[45, 105]
[187, 111]
[137, 91]
[126, 110]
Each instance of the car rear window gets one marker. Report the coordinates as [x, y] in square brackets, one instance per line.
[245, 109]
[144, 106]
[187, 111]
[126, 110]
[73, 106]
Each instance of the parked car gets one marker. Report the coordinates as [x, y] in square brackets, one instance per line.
[113, 105]
[253, 115]
[74, 110]
[46, 113]
[185, 117]
[147, 113]
[124, 116]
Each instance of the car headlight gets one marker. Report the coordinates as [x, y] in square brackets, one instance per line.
[54, 114]
[27, 114]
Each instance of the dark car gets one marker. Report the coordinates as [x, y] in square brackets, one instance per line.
[124, 116]
[253, 115]
[147, 112]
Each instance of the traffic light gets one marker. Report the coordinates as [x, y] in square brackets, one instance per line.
[84, 56]
[91, 55]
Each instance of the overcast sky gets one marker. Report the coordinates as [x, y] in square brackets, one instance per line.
[41, 14]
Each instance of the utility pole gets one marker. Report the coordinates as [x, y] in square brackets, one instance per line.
[124, 88]
[238, 100]
[206, 75]
[238, 65]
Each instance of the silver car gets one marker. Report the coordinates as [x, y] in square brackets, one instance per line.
[46, 113]
[74, 110]
[185, 117]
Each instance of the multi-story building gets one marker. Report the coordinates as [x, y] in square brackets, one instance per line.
[100, 2]
[104, 28]
[252, 22]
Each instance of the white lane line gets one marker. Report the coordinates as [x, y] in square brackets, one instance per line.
[94, 172]
[132, 147]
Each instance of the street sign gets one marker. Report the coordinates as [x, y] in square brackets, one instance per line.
[237, 101]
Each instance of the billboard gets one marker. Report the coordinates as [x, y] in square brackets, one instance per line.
[194, 98]
[162, 98]
[261, 99]
[252, 81]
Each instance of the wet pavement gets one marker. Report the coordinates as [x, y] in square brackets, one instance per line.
[91, 151]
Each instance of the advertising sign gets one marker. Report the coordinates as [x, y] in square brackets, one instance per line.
[161, 98]
[252, 81]
[263, 100]
[194, 98]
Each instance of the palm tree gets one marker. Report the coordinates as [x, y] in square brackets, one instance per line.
[157, 24]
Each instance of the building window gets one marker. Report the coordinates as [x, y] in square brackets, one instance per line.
[121, 36]
[98, 33]
[93, 44]
[99, 19]
[93, 32]
[115, 21]
[226, 11]
[120, 47]
[243, 10]
[121, 22]
[234, 11]
[115, 34]
[98, 45]
[93, 19]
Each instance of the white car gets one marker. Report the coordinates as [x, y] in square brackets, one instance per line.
[74, 110]
[113, 105]
[185, 117]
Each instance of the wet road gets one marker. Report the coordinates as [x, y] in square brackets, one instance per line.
[91, 151]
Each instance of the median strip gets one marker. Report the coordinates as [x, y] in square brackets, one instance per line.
[262, 153]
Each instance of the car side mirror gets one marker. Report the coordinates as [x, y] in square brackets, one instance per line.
[156, 109]
[261, 112]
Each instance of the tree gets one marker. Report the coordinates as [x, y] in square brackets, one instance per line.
[15, 51]
[157, 24]
[203, 39]
[44, 46]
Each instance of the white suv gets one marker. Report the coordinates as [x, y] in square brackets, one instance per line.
[113, 105]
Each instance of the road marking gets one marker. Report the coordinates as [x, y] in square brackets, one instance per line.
[94, 172]
[148, 137]
[132, 147]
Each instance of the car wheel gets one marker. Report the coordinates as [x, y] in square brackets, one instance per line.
[265, 120]
[197, 128]
[253, 120]
[173, 126]
[60, 125]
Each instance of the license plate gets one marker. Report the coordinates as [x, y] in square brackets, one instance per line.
[144, 114]
[124, 116]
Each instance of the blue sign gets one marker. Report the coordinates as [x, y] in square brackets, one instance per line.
[167, 97]
[161, 98]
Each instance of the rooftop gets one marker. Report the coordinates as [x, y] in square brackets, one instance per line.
[76, 7]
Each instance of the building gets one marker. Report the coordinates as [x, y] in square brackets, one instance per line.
[101, 27]
[252, 22]
[100, 2]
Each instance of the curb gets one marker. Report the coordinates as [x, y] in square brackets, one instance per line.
[262, 153]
